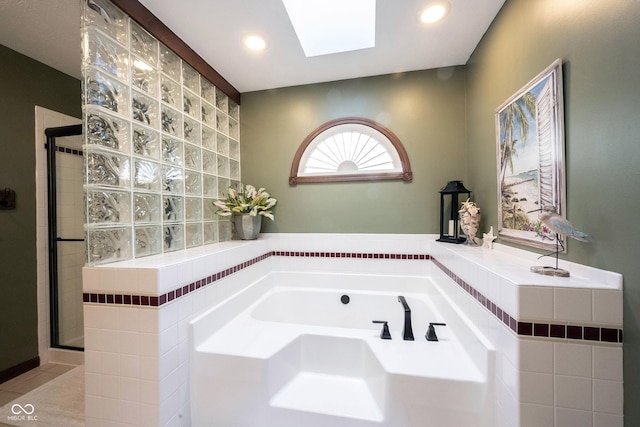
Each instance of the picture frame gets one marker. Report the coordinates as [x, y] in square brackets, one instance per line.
[530, 159]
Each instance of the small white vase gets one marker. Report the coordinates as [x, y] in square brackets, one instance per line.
[247, 226]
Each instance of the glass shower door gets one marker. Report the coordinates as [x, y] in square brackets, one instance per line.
[66, 236]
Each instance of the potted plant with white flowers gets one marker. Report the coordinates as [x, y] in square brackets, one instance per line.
[246, 207]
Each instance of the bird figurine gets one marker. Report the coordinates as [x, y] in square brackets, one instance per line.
[560, 225]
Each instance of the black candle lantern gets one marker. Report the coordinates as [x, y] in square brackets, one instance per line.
[449, 205]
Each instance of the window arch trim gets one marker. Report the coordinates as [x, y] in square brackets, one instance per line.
[405, 175]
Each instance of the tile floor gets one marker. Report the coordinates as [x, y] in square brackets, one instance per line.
[26, 382]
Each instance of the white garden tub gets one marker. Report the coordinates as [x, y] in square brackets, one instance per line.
[286, 351]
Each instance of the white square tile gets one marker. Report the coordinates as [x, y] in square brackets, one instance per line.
[169, 386]
[607, 420]
[573, 392]
[573, 359]
[508, 345]
[92, 339]
[607, 307]
[572, 304]
[168, 279]
[147, 281]
[130, 389]
[169, 409]
[184, 273]
[608, 396]
[99, 316]
[168, 362]
[149, 344]
[198, 298]
[131, 412]
[111, 409]
[128, 280]
[509, 297]
[129, 365]
[168, 339]
[536, 356]
[128, 319]
[183, 331]
[110, 386]
[109, 280]
[536, 415]
[508, 407]
[183, 352]
[536, 388]
[148, 320]
[150, 392]
[90, 278]
[93, 384]
[93, 361]
[536, 303]
[149, 415]
[109, 341]
[129, 343]
[149, 368]
[607, 363]
[168, 316]
[185, 308]
[573, 418]
[110, 363]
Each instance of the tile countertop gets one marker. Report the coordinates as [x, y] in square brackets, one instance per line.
[510, 263]
[514, 265]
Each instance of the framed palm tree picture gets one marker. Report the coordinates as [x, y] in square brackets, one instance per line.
[530, 159]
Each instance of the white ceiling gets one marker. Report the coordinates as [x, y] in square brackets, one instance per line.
[48, 31]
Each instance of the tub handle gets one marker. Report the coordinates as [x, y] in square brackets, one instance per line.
[431, 331]
[384, 334]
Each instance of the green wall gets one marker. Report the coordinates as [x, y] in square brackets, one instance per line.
[24, 83]
[599, 44]
[425, 109]
[448, 128]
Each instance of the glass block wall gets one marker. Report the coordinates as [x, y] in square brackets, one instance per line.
[161, 143]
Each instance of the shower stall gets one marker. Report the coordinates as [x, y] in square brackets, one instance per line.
[65, 235]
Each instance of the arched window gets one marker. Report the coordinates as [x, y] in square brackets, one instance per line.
[350, 149]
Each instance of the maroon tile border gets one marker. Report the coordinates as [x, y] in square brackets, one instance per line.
[68, 150]
[157, 301]
[574, 332]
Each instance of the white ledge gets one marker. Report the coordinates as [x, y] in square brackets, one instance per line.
[514, 265]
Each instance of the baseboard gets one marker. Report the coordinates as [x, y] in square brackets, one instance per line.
[18, 369]
[66, 357]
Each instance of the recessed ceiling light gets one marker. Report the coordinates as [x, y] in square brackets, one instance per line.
[434, 12]
[254, 42]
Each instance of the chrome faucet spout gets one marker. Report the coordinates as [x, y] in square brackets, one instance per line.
[407, 330]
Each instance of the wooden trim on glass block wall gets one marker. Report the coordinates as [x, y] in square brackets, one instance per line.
[159, 30]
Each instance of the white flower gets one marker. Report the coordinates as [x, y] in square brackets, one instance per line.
[246, 200]
[267, 214]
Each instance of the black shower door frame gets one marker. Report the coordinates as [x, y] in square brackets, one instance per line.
[53, 238]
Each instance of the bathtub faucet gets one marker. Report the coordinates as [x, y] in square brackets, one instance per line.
[407, 331]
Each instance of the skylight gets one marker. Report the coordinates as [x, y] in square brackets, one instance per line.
[331, 26]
